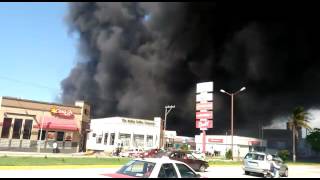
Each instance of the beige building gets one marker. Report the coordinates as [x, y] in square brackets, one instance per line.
[21, 122]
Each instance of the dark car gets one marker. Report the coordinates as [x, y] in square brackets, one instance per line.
[188, 158]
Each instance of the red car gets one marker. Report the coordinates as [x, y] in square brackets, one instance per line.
[150, 153]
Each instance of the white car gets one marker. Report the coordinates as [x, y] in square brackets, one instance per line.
[199, 155]
[155, 168]
[131, 152]
[256, 162]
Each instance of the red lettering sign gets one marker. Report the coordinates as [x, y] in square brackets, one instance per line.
[204, 124]
[62, 113]
[204, 106]
[204, 115]
[215, 140]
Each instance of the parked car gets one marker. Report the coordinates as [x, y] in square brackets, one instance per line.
[154, 168]
[256, 162]
[131, 153]
[198, 154]
[150, 153]
[188, 158]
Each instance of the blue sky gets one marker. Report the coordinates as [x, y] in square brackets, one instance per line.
[36, 50]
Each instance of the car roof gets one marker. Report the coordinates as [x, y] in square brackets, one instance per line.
[260, 153]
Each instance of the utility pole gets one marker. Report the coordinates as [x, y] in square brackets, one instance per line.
[167, 111]
[40, 138]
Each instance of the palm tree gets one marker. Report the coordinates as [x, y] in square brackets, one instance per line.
[299, 119]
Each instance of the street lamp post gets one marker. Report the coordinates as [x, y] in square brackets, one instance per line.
[232, 94]
[168, 109]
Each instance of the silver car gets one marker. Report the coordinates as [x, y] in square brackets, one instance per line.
[256, 162]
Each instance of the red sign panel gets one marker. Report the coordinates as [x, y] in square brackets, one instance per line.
[215, 140]
[204, 106]
[204, 115]
[204, 124]
[254, 142]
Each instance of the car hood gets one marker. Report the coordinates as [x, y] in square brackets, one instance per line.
[117, 175]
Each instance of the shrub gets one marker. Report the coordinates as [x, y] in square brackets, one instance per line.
[184, 147]
[228, 154]
[284, 154]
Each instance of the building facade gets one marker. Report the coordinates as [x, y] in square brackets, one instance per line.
[33, 126]
[106, 134]
[220, 144]
[176, 142]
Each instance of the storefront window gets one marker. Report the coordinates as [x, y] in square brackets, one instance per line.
[105, 138]
[138, 140]
[51, 135]
[6, 127]
[60, 136]
[125, 139]
[27, 129]
[149, 141]
[112, 135]
[68, 136]
[99, 139]
[17, 129]
[43, 135]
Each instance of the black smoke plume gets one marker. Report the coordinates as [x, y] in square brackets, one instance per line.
[135, 58]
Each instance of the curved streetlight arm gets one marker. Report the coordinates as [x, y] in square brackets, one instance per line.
[242, 89]
[225, 92]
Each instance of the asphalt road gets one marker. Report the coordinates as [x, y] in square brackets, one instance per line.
[212, 172]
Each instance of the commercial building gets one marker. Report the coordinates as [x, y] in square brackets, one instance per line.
[106, 134]
[23, 122]
[220, 144]
[176, 142]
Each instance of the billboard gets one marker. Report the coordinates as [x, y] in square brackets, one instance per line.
[204, 105]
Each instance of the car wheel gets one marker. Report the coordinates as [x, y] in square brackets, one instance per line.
[246, 172]
[202, 168]
[285, 174]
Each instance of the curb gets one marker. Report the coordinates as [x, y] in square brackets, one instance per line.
[57, 167]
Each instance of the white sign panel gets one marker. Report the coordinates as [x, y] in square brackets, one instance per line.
[205, 87]
[204, 96]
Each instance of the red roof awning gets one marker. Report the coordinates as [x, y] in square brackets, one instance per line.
[55, 123]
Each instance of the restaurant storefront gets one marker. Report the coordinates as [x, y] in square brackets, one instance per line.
[33, 126]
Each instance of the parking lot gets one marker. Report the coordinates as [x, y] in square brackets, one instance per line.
[295, 171]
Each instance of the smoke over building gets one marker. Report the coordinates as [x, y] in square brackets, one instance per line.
[135, 58]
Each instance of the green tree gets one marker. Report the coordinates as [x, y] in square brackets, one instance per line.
[284, 154]
[299, 119]
[314, 139]
[228, 154]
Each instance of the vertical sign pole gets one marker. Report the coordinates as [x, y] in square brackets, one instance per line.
[203, 141]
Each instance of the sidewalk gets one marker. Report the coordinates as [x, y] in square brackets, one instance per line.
[36, 154]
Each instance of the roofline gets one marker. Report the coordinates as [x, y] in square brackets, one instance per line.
[122, 118]
[41, 102]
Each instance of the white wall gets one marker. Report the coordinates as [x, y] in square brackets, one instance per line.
[240, 144]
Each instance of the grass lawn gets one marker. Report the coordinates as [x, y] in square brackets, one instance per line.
[53, 161]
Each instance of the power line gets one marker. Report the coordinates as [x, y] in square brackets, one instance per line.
[32, 84]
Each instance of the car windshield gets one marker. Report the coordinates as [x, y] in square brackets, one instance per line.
[137, 168]
[259, 157]
[252, 156]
